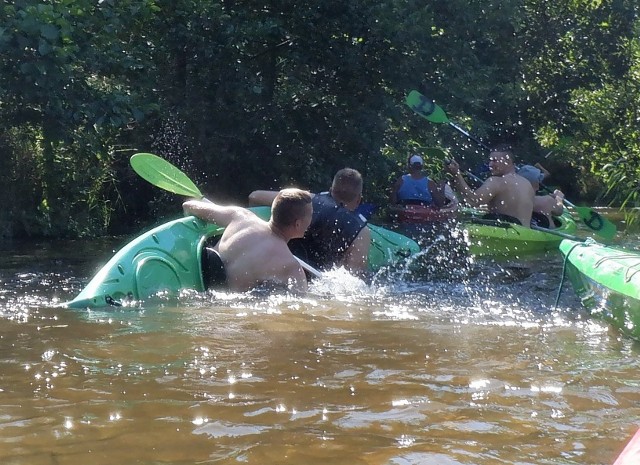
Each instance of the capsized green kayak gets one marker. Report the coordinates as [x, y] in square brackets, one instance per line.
[167, 259]
[607, 281]
[499, 238]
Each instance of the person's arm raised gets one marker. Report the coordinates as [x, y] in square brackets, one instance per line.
[483, 194]
[212, 212]
[480, 196]
[558, 207]
[260, 198]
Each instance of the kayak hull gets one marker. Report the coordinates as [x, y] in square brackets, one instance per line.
[164, 259]
[607, 281]
[490, 238]
[167, 260]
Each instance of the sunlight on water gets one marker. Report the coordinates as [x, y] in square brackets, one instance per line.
[403, 371]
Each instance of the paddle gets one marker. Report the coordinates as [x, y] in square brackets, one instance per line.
[162, 174]
[560, 234]
[593, 220]
[429, 110]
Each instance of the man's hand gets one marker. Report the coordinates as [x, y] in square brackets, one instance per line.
[452, 167]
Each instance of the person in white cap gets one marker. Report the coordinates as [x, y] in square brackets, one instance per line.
[507, 195]
[545, 207]
[417, 188]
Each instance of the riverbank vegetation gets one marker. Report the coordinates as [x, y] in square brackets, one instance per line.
[246, 95]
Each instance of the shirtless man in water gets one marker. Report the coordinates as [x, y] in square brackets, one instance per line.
[506, 194]
[254, 251]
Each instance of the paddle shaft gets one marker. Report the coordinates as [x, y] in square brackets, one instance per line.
[558, 233]
[470, 136]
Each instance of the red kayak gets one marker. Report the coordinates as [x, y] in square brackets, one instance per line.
[631, 453]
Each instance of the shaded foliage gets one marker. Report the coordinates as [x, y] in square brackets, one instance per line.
[246, 95]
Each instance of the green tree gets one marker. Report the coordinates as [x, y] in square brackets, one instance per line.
[65, 72]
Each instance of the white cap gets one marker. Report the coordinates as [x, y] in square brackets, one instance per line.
[415, 159]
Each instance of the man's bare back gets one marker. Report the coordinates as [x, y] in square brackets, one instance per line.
[254, 254]
[255, 251]
[504, 193]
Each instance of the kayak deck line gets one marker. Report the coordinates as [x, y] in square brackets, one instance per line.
[494, 223]
[628, 276]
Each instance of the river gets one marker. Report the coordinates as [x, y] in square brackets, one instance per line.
[489, 371]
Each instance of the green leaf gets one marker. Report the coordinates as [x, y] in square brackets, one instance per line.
[44, 48]
[49, 32]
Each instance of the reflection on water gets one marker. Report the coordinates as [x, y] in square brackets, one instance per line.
[404, 372]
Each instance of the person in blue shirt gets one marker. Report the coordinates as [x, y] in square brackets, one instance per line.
[415, 188]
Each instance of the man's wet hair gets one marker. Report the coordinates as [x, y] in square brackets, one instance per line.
[289, 206]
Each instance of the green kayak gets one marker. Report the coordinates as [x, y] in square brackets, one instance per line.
[167, 259]
[489, 238]
[607, 281]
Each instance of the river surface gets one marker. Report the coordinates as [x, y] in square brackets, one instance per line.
[484, 372]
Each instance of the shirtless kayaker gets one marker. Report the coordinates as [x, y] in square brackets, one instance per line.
[254, 251]
[507, 195]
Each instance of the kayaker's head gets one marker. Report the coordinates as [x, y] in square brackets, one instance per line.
[291, 212]
[414, 161]
[501, 160]
[531, 174]
[347, 188]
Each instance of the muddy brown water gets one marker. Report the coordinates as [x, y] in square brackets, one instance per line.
[487, 371]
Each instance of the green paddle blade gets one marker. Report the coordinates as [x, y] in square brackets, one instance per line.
[596, 222]
[426, 107]
[163, 174]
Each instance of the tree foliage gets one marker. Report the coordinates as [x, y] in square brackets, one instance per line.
[247, 95]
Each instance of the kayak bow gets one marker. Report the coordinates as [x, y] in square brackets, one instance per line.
[607, 281]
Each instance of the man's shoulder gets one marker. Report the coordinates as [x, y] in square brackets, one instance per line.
[495, 182]
[515, 180]
[247, 219]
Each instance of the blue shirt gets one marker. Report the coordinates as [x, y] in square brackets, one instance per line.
[415, 189]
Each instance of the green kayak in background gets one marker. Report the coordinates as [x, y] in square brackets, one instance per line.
[489, 238]
[167, 259]
[607, 281]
